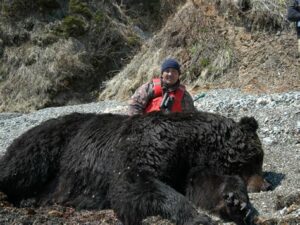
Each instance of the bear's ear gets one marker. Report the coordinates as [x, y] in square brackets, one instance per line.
[249, 123]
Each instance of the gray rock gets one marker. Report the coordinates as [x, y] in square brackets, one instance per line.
[268, 141]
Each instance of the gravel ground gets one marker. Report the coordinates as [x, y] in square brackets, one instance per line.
[279, 119]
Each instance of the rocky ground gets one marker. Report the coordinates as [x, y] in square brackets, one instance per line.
[279, 119]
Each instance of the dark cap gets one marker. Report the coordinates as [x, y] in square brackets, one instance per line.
[170, 63]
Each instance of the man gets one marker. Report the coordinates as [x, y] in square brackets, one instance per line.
[162, 94]
[293, 15]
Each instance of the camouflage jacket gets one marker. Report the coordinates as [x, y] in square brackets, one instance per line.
[142, 96]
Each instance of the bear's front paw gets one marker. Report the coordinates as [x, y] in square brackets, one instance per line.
[239, 210]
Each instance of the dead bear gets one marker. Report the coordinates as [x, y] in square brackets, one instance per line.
[139, 166]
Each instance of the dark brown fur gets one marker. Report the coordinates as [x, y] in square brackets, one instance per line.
[139, 165]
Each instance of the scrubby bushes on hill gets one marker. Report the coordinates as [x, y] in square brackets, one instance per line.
[106, 35]
[17, 8]
[221, 44]
[255, 14]
[98, 38]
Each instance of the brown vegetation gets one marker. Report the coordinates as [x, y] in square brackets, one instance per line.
[58, 52]
[222, 44]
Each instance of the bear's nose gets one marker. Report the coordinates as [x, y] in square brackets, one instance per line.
[267, 186]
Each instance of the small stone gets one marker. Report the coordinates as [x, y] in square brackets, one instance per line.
[298, 127]
[55, 213]
[263, 101]
[283, 211]
[268, 141]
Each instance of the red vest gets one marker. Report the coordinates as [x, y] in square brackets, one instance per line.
[154, 103]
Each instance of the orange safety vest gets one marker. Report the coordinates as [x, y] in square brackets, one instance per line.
[155, 103]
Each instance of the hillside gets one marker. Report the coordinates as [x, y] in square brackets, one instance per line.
[60, 52]
[219, 47]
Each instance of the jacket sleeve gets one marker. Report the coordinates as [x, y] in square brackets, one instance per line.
[140, 99]
[188, 103]
[293, 13]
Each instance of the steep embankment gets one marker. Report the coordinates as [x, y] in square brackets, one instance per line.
[59, 52]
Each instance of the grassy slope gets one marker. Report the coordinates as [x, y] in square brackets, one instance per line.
[59, 52]
[220, 46]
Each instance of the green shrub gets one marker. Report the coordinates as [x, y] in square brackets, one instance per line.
[133, 40]
[79, 7]
[72, 26]
[204, 62]
[99, 17]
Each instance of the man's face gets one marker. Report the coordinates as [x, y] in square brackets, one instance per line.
[170, 76]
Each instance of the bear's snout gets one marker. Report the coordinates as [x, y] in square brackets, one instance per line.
[257, 183]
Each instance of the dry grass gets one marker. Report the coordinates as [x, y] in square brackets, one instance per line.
[145, 65]
[187, 37]
[256, 14]
[142, 68]
[58, 52]
[211, 38]
[41, 74]
[268, 14]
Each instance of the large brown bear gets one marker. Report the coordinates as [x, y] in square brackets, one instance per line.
[139, 166]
